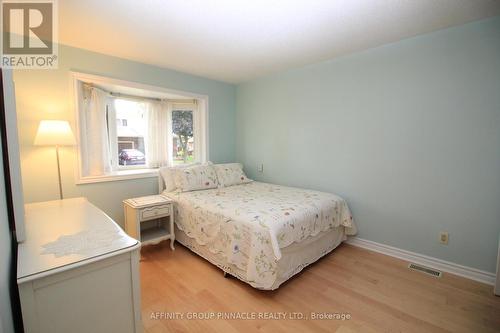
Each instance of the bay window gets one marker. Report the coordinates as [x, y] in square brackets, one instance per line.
[128, 131]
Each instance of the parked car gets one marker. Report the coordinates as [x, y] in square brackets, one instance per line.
[131, 157]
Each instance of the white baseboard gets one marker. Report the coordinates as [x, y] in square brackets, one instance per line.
[442, 265]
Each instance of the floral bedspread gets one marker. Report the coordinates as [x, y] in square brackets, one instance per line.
[250, 223]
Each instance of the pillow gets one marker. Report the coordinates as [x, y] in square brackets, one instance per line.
[198, 177]
[230, 174]
[167, 173]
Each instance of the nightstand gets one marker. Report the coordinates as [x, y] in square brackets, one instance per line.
[150, 219]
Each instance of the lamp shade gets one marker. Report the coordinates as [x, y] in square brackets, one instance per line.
[54, 133]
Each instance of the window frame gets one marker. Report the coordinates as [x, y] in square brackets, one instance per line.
[78, 78]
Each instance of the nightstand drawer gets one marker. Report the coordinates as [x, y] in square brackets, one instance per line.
[154, 212]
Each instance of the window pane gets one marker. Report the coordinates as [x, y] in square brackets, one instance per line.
[131, 131]
[182, 137]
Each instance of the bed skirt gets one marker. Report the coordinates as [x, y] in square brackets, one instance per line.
[294, 257]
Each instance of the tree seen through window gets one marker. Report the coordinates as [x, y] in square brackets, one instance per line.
[182, 128]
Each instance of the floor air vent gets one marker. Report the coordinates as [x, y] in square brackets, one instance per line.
[426, 270]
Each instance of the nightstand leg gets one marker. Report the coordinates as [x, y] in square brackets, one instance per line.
[172, 230]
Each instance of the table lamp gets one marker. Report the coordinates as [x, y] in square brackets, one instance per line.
[55, 133]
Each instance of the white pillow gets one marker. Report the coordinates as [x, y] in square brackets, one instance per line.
[198, 177]
[230, 174]
[167, 173]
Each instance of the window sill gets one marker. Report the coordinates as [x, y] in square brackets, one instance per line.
[119, 175]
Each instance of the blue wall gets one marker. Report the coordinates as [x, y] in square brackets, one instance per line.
[408, 133]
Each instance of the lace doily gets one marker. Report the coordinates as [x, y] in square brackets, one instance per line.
[83, 243]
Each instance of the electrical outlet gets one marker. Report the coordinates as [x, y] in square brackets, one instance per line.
[261, 168]
[443, 237]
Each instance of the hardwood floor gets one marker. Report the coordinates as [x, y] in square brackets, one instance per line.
[378, 292]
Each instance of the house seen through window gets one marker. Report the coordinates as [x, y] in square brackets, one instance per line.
[130, 131]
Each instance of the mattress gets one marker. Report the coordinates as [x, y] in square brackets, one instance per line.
[249, 225]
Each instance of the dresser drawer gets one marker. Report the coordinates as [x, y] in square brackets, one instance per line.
[154, 212]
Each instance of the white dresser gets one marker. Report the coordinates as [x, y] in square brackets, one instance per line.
[77, 271]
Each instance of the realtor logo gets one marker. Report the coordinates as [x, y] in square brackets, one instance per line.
[29, 31]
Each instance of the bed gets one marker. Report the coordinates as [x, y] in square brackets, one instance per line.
[261, 233]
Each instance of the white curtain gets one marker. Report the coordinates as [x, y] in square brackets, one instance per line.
[94, 133]
[157, 147]
[170, 139]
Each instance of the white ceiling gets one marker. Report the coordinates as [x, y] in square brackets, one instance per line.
[235, 40]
